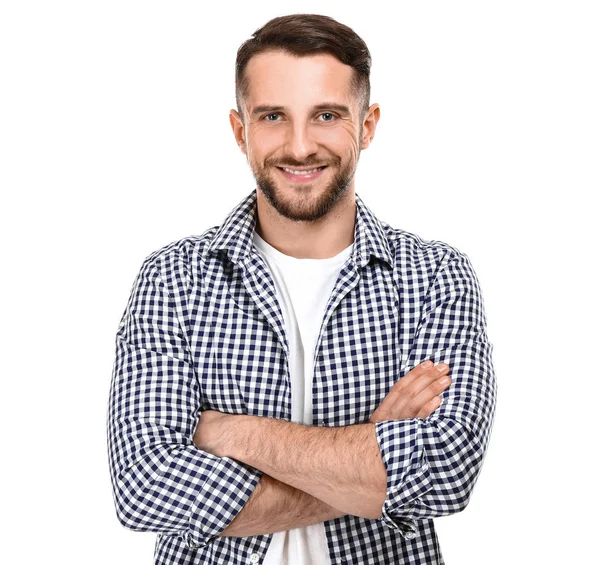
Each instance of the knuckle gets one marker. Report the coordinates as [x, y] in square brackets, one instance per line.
[434, 372]
[412, 407]
[402, 393]
[427, 410]
[399, 384]
[440, 387]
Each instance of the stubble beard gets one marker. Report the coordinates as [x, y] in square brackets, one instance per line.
[302, 206]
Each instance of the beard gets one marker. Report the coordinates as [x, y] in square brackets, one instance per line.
[302, 206]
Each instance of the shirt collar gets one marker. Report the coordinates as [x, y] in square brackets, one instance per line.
[236, 232]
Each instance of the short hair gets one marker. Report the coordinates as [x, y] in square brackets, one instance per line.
[303, 35]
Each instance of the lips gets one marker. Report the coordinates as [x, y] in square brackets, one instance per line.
[295, 171]
[302, 175]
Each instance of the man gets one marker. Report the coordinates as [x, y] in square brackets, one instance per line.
[282, 391]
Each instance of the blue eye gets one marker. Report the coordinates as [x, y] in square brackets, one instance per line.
[328, 114]
[268, 116]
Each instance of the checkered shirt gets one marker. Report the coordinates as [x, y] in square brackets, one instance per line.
[203, 329]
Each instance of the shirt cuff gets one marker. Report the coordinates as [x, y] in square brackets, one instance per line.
[222, 497]
[408, 476]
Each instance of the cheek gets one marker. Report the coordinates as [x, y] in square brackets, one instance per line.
[265, 141]
[339, 141]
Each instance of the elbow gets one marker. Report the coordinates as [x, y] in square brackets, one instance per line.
[144, 504]
[138, 516]
[143, 498]
[139, 509]
[453, 475]
[130, 517]
[446, 486]
[459, 500]
[128, 520]
[451, 496]
[442, 476]
[128, 511]
[438, 498]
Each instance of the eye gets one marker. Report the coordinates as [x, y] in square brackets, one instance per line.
[269, 116]
[327, 116]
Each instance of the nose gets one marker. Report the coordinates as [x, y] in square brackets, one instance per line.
[300, 142]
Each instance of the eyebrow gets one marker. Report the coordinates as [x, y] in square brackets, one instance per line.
[340, 108]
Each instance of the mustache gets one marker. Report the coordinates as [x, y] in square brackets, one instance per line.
[309, 163]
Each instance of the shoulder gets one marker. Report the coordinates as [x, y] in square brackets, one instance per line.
[180, 260]
[435, 266]
[411, 249]
[429, 264]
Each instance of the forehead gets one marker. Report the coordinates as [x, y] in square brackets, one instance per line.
[279, 78]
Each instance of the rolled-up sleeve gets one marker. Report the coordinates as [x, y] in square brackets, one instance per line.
[432, 464]
[161, 481]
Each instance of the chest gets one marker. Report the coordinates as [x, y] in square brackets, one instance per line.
[241, 351]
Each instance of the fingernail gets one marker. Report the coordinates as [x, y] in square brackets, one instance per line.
[426, 364]
[442, 367]
[444, 380]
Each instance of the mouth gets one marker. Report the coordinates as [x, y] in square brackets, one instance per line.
[302, 175]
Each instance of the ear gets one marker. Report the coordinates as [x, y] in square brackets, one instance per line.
[369, 125]
[237, 126]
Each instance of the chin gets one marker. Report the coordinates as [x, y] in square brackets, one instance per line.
[304, 203]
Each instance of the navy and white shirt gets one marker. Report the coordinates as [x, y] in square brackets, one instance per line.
[203, 329]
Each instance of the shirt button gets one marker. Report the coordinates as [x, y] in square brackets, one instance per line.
[254, 558]
[410, 535]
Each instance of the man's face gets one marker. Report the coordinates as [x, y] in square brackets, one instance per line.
[301, 114]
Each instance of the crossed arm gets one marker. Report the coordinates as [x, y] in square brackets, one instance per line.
[313, 474]
[163, 482]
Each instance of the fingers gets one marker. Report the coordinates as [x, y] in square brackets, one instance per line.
[406, 389]
[418, 371]
[416, 394]
[411, 383]
[428, 377]
[430, 396]
[429, 407]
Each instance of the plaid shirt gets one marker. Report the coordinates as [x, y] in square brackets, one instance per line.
[203, 329]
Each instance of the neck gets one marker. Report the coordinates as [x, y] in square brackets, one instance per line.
[319, 239]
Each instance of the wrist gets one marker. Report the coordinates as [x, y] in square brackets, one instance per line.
[213, 432]
[234, 434]
[251, 439]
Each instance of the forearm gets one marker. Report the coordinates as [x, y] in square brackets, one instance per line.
[340, 466]
[275, 506]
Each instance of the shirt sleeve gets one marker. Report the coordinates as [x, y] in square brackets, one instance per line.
[161, 481]
[432, 464]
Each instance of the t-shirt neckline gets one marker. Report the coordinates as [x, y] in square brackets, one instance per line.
[277, 255]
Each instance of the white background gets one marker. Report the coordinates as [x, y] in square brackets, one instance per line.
[115, 140]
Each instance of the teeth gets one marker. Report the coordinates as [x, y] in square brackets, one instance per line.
[293, 172]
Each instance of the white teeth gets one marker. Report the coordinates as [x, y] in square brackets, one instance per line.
[293, 172]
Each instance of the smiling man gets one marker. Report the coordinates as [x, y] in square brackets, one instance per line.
[303, 384]
[304, 149]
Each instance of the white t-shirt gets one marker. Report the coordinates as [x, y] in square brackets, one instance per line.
[303, 288]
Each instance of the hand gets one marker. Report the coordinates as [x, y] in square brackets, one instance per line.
[415, 395]
[210, 430]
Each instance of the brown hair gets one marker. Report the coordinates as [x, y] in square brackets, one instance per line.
[302, 35]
